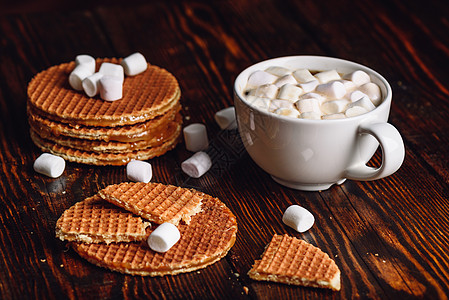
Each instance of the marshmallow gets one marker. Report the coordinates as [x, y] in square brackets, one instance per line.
[49, 165]
[111, 88]
[373, 91]
[326, 76]
[267, 91]
[164, 237]
[279, 103]
[312, 115]
[309, 86]
[287, 79]
[260, 78]
[303, 76]
[86, 60]
[308, 105]
[357, 95]
[257, 102]
[134, 64]
[334, 116]
[197, 165]
[298, 218]
[288, 112]
[111, 69]
[91, 84]
[290, 92]
[319, 97]
[358, 77]
[278, 71]
[334, 106]
[363, 102]
[332, 89]
[77, 76]
[195, 137]
[139, 171]
[355, 111]
[349, 85]
[225, 118]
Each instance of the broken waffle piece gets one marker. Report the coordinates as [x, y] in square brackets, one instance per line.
[156, 202]
[94, 220]
[293, 261]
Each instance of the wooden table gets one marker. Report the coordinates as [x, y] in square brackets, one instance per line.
[389, 237]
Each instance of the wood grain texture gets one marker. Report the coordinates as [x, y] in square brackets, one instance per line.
[389, 237]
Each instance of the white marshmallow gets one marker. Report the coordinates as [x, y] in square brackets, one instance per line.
[111, 88]
[373, 91]
[260, 78]
[326, 76]
[139, 171]
[334, 116]
[77, 76]
[134, 64]
[49, 165]
[332, 89]
[334, 106]
[91, 84]
[308, 105]
[355, 111]
[303, 76]
[309, 86]
[288, 112]
[197, 165]
[357, 95]
[298, 218]
[164, 237]
[312, 115]
[267, 91]
[257, 102]
[287, 79]
[111, 69]
[349, 85]
[290, 92]
[225, 118]
[279, 103]
[278, 71]
[363, 102]
[86, 60]
[319, 97]
[358, 77]
[195, 137]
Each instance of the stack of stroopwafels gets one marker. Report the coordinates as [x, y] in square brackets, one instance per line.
[115, 238]
[145, 123]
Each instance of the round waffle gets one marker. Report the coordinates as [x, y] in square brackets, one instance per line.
[205, 240]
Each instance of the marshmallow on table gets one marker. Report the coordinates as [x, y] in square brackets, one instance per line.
[139, 171]
[290, 92]
[225, 118]
[91, 84]
[326, 76]
[358, 77]
[197, 165]
[49, 165]
[134, 64]
[87, 60]
[258, 78]
[298, 218]
[278, 71]
[195, 137]
[266, 91]
[111, 88]
[77, 76]
[164, 237]
[286, 79]
[334, 106]
[332, 89]
[110, 69]
[373, 91]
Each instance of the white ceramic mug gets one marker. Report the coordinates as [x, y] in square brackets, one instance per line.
[313, 155]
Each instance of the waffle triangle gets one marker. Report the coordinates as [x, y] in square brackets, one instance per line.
[293, 261]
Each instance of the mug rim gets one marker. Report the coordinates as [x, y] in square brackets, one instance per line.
[386, 99]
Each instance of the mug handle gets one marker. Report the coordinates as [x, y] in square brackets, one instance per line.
[393, 153]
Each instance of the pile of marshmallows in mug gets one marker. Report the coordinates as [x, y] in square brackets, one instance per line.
[301, 94]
